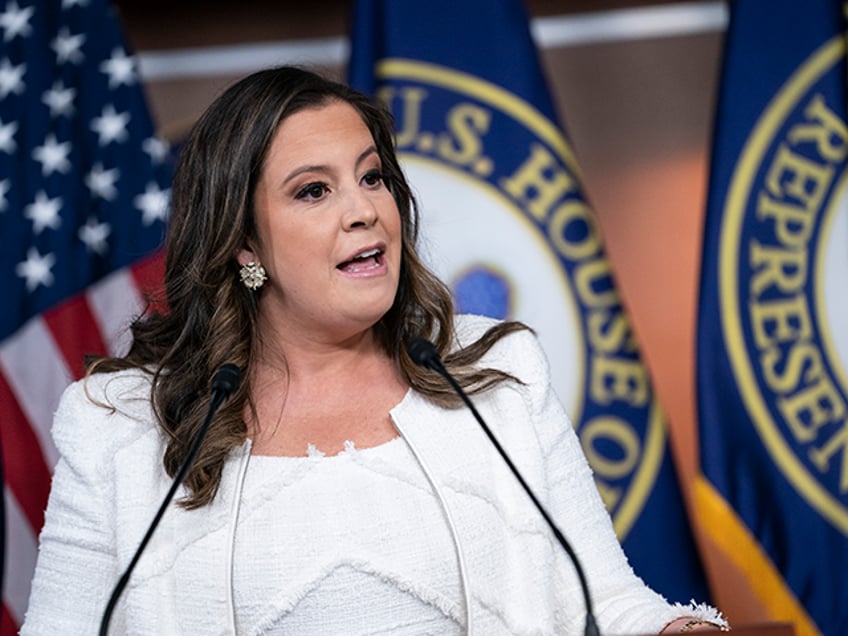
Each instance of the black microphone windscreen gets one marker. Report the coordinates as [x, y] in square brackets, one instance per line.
[423, 352]
[226, 379]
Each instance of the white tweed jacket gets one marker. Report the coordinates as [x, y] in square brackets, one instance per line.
[109, 483]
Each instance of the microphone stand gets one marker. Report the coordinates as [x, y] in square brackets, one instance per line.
[224, 383]
[424, 354]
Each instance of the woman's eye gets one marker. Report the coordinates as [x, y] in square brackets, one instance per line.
[312, 191]
[373, 178]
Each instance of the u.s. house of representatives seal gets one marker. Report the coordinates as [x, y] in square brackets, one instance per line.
[504, 222]
[784, 288]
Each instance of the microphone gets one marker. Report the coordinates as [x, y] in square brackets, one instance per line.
[424, 354]
[224, 383]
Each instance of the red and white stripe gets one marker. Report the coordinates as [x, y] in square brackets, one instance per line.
[36, 364]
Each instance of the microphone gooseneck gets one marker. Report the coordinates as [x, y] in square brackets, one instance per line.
[424, 354]
[224, 383]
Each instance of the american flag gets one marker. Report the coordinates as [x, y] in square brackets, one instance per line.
[83, 206]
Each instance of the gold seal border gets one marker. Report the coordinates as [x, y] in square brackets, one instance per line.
[752, 156]
[526, 114]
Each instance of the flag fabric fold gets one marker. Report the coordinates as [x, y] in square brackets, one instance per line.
[771, 372]
[506, 224]
[83, 206]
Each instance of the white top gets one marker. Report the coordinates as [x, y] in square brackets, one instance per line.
[359, 532]
[109, 482]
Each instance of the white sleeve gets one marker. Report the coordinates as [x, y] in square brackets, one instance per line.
[623, 603]
[76, 566]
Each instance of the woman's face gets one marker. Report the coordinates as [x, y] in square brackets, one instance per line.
[329, 232]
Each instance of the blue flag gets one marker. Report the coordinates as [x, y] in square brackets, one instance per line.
[773, 324]
[83, 205]
[505, 222]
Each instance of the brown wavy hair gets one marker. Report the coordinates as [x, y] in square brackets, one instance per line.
[212, 316]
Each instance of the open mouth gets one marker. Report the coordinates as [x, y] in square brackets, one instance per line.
[364, 261]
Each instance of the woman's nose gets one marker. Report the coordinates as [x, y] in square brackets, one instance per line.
[361, 212]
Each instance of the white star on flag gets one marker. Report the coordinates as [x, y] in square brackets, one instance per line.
[7, 136]
[44, 212]
[36, 269]
[102, 182]
[153, 203]
[5, 186]
[155, 148]
[15, 21]
[60, 100]
[11, 78]
[53, 156]
[94, 235]
[120, 68]
[110, 126]
[67, 46]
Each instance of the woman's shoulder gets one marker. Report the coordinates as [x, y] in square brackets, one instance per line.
[470, 327]
[110, 407]
[517, 352]
[126, 391]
